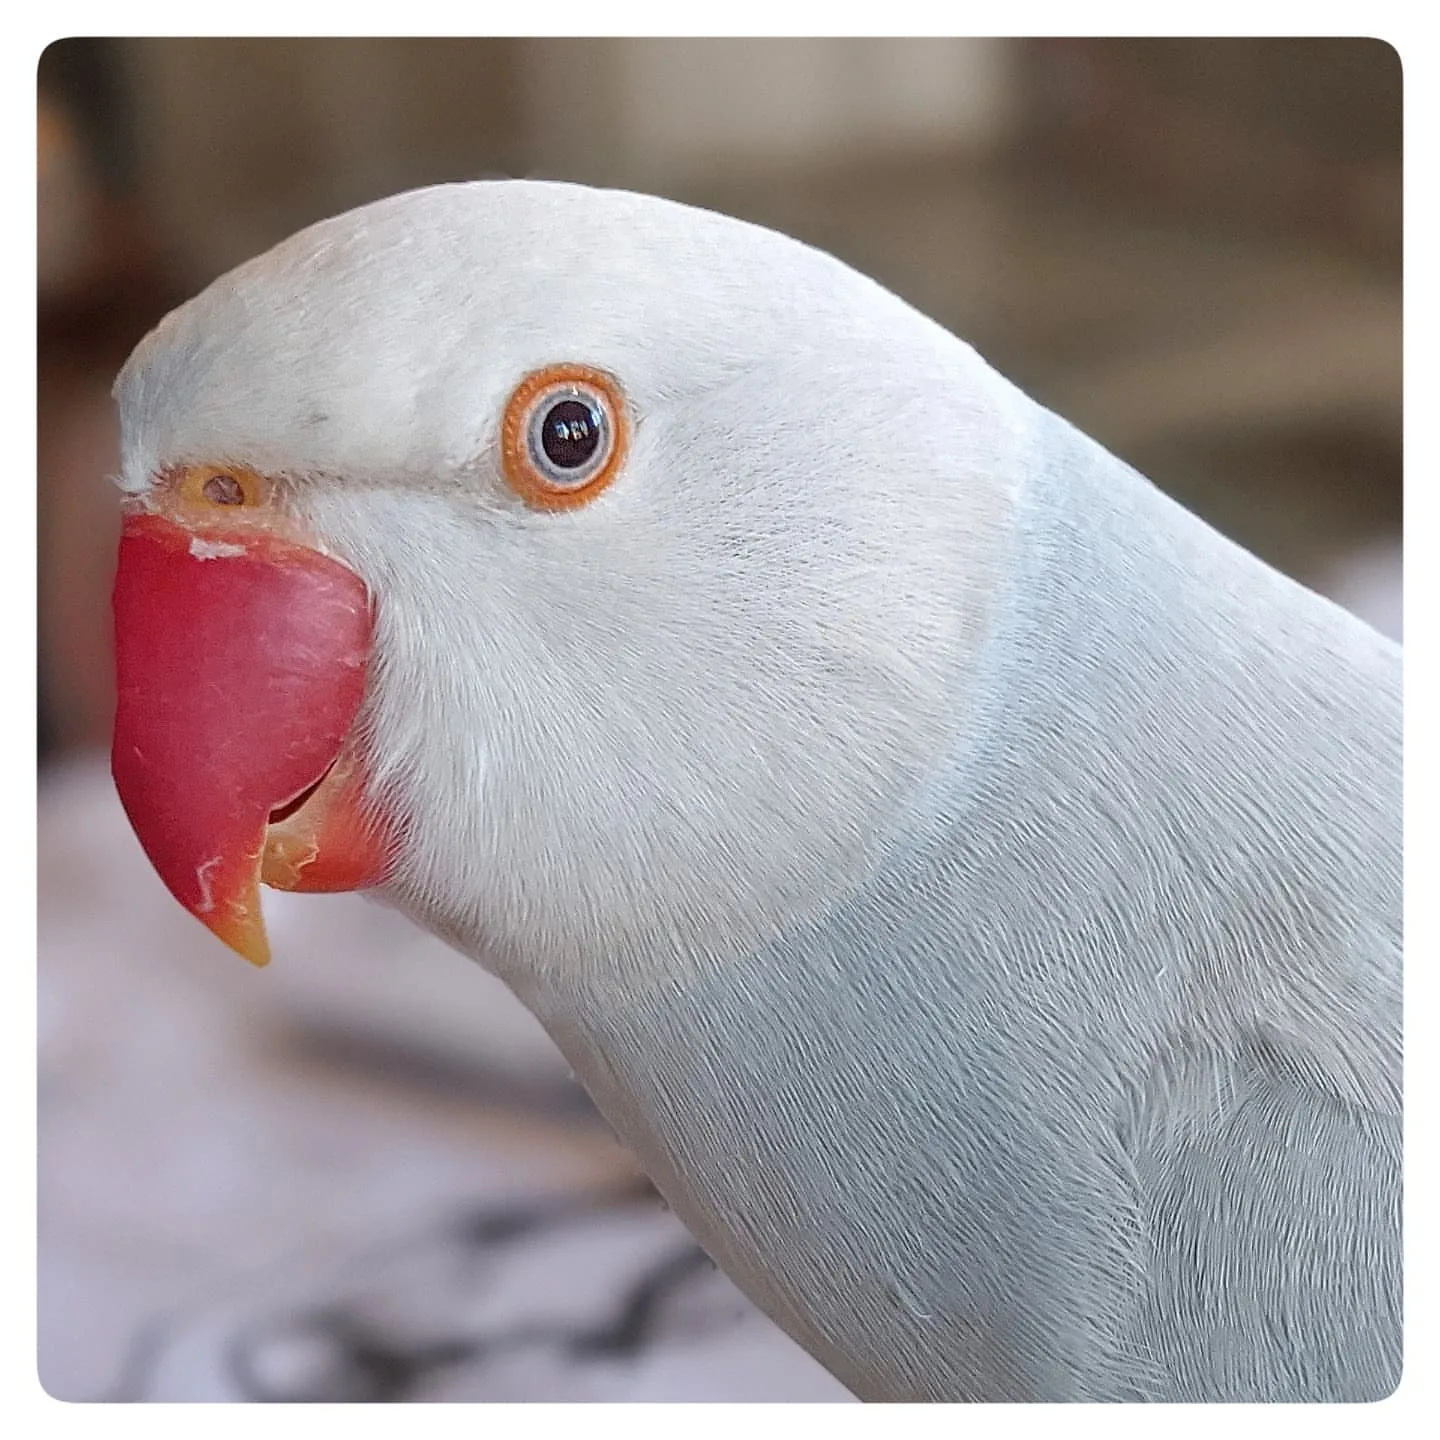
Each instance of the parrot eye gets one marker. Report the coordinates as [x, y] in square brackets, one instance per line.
[563, 436]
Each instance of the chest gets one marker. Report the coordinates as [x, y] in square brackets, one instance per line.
[869, 1166]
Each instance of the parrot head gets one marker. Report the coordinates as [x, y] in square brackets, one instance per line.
[581, 571]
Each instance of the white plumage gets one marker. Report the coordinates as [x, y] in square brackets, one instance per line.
[969, 883]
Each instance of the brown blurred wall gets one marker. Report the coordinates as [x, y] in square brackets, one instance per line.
[246, 140]
[163, 162]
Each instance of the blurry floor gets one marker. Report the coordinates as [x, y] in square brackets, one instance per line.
[360, 1174]
[364, 1173]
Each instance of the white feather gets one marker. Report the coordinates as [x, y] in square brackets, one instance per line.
[746, 648]
[969, 883]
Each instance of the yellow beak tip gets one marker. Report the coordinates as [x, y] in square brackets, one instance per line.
[258, 954]
[243, 930]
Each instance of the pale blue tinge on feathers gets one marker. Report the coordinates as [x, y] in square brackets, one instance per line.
[970, 884]
[1092, 1092]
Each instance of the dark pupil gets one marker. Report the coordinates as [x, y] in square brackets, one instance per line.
[570, 434]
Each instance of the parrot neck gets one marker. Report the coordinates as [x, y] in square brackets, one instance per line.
[1183, 770]
[1168, 838]
[1178, 775]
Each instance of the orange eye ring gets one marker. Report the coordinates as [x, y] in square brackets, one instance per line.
[564, 436]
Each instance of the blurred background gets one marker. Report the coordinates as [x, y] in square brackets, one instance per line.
[364, 1174]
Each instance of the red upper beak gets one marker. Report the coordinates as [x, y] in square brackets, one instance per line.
[241, 661]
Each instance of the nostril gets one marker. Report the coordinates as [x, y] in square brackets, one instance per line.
[224, 490]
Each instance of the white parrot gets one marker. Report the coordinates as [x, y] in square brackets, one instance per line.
[969, 883]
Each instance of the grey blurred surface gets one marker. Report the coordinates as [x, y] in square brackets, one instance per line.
[363, 1173]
